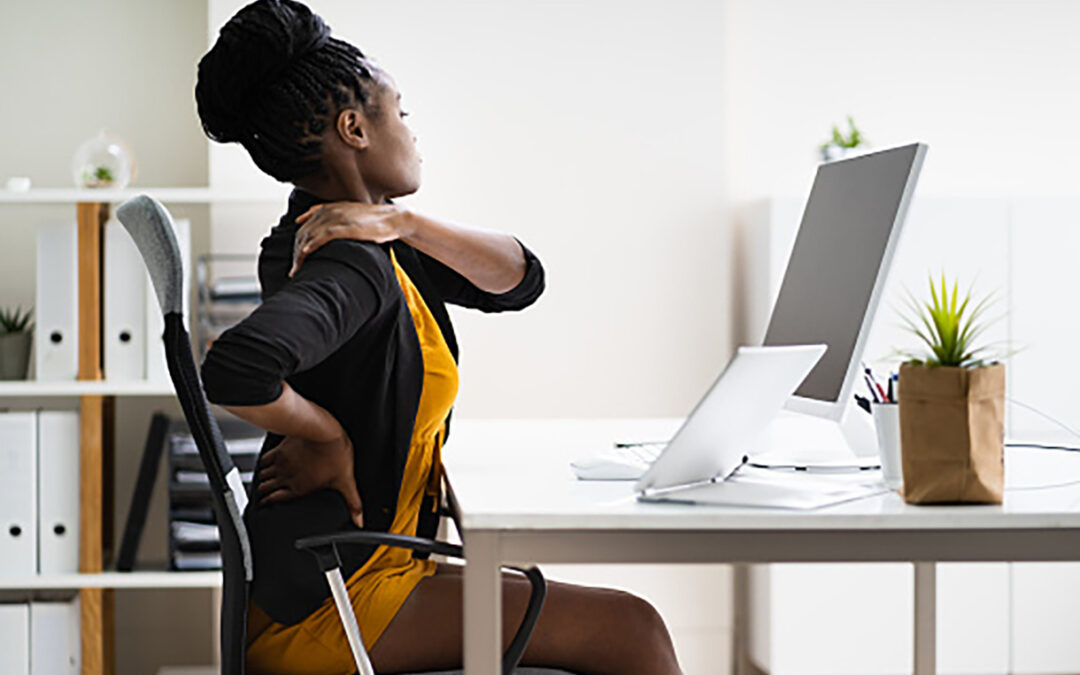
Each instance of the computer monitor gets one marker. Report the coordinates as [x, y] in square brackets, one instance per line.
[838, 268]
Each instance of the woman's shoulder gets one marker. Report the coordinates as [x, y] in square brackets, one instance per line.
[364, 257]
[340, 256]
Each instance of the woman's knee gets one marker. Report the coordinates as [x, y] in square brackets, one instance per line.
[619, 610]
[644, 617]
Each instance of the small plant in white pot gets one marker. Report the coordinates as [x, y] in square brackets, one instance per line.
[16, 332]
[842, 145]
[952, 403]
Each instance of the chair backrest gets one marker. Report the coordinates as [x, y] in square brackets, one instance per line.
[150, 226]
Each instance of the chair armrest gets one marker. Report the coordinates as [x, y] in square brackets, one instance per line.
[321, 545]
[324, 548]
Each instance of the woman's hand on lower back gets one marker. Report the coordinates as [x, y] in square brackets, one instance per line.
[322, 223]
[297, 467]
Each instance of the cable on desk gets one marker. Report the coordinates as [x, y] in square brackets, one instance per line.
[1043, 446]
[817, 468]
[1040, 413]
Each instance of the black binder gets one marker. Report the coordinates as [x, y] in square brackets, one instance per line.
[144, 487]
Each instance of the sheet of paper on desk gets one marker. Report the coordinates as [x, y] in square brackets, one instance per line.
[778, 489]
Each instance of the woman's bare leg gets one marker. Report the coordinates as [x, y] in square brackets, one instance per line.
[590, 631]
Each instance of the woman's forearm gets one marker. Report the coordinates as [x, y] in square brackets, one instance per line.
[291, 415]
[492, 261]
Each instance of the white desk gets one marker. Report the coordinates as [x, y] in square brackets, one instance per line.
[520, 503]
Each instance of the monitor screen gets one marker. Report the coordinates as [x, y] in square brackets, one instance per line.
[834, 265]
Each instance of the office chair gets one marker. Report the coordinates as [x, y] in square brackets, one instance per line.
[150, 226]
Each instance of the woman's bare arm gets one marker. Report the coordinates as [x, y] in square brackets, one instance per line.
[315, 454]
[492, 261]
[291, 415]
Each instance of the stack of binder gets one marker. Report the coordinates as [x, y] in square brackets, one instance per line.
[39, 516]
[39, 492]
[132, 323]
[228, 292]
[194, 542]
[40, 638]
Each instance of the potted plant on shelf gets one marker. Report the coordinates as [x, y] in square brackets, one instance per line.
[841, 146]
[952, 403]
[15, 336]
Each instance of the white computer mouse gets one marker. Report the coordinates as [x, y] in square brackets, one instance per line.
[605, 467]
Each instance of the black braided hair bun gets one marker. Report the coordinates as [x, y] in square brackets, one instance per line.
[253, 50]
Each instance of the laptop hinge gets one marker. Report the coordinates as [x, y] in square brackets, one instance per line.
[718, 478]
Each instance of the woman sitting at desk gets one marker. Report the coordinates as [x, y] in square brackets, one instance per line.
[350, 364]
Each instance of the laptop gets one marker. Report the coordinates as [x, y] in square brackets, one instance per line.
[706, 460]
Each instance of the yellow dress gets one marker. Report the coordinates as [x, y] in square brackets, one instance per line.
[317, 645]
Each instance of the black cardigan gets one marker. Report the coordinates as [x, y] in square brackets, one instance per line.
[340, 333]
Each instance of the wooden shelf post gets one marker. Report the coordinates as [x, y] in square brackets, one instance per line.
[97, 603]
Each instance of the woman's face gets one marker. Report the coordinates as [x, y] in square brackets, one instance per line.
[390, 164]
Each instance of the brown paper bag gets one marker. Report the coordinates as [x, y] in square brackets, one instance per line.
[952, 434]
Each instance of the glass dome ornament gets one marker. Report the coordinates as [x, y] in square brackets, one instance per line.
[103, 162]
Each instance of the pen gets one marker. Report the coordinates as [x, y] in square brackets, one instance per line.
[870, 384]
[874, 385]
[891, 392]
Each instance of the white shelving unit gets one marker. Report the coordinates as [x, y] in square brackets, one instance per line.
[144, 579]
[175, 195]
[35, 388]
[96, 403]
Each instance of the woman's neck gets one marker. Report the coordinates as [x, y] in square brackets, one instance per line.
[332, 188]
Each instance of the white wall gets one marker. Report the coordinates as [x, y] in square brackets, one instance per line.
[69, 69]
[991, 85]
[593, 131]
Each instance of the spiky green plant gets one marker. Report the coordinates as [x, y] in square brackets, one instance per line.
[949, 326]
[15, 320]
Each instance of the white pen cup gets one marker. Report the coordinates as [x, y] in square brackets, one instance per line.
[887, 424]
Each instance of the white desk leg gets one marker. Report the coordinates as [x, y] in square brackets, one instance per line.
[483, 604]
[925, 618]
[740, 619]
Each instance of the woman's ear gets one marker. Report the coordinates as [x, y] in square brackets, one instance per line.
[352, 128]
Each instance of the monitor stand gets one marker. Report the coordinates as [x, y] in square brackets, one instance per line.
[802, 439]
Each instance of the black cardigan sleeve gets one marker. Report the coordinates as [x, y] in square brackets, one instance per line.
[337, 290]
[458, 290]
